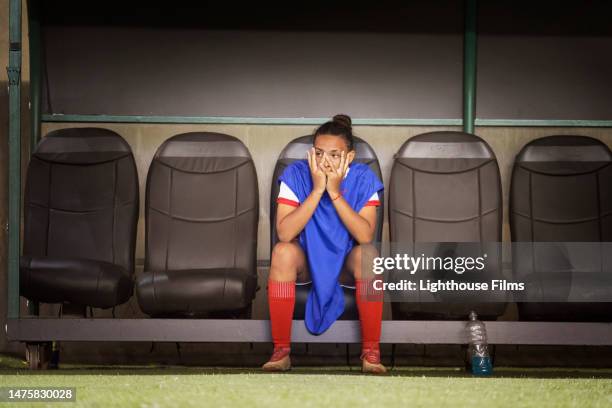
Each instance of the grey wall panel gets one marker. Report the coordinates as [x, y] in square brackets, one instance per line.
[544, 60]
[122, 70]
[544, 77]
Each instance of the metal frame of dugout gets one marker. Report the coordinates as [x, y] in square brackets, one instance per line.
[34, 331]
[342, 331]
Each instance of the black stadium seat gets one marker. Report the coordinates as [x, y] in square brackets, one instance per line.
[561, 191]
[445, 188]
[296, 150]
[201, 228]
[81, 210]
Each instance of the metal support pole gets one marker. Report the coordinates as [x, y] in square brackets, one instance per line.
[469, 66]
[36, 65]
[14, 223]
[34, 36]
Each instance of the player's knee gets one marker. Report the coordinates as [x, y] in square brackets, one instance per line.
[284, 260]
[284, 253]
[361, 260]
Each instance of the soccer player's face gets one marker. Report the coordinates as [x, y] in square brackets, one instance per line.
[333, 146]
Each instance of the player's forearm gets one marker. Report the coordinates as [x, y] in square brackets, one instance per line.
[358, 227]
[290, 226]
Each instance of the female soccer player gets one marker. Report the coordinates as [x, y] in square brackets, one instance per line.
[326, 218]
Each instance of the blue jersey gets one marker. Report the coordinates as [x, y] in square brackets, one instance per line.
[325, 240]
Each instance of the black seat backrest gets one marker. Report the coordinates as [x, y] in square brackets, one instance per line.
[562, 191]
[81, 197]
[296, 150]
[201, 204]
[561, 197]
[445, 187]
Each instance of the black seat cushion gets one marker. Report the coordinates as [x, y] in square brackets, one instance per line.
[195, 291]
[81, 207]
[78, 281]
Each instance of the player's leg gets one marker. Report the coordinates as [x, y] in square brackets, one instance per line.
[288, 261]
[369, 304]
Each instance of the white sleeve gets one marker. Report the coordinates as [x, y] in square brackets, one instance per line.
[285, 193]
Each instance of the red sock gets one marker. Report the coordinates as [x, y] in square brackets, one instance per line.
[370, 305]
[281, 300]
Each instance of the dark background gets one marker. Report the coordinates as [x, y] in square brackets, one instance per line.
[390, 59]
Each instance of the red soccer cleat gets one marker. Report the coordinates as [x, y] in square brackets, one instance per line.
[370, 362]
[280, 360]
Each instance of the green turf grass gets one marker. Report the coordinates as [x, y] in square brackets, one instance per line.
[328, 387]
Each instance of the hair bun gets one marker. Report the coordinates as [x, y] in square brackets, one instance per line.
[343, 120]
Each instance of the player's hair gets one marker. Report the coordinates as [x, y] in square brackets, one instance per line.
[340, 125]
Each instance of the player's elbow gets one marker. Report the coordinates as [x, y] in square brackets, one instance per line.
[284, 236]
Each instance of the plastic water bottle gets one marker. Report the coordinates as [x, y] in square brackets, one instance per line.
[478, 351]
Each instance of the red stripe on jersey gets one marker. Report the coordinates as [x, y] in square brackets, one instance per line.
[281, 200]
[372, 203]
